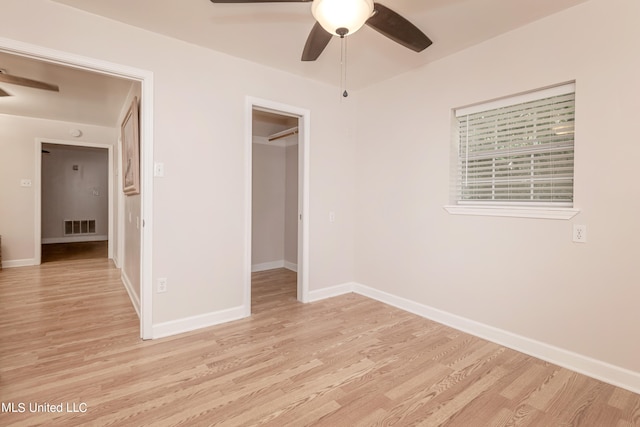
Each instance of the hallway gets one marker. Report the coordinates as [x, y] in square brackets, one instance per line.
[74, 251]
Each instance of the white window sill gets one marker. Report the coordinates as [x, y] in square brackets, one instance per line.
[513, 211]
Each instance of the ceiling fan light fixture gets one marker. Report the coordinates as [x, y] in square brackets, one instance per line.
[337, 15]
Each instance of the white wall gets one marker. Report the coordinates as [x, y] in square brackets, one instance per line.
[522, 276]
[74, 194]
[18, 161]
[267, 247]
[131, 238]
[274, 205]
[291, 206]
[199, 121]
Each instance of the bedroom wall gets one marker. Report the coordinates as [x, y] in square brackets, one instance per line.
[524, 277]
[199, 124]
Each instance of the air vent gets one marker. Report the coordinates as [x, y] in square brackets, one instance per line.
[79, 226]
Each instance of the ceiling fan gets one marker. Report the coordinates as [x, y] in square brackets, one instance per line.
[23, 81]
[343, 17]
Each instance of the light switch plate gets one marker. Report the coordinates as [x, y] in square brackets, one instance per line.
[158, 169]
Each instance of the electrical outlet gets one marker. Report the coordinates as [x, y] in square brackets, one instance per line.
[579, 233]
[162, 285]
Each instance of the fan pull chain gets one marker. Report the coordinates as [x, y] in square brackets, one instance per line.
[343, 66]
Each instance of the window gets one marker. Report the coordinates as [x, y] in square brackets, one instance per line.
[517, 151]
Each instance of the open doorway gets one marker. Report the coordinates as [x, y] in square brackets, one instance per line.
[274, 225]
[74, 202]
[67, 67]
[278, 213]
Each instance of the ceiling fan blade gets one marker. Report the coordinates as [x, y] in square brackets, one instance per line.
[318, 39]
[261, 1]
[4, 93]
[21, 81]
[398, 29]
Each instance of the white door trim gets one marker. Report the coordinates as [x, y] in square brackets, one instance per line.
[145, 78]
[304, 117]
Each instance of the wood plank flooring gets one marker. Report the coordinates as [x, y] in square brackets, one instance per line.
[73, 251]
[69, 335]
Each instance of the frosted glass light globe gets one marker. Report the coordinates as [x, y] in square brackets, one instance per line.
[335, 14]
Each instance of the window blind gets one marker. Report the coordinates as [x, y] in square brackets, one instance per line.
[518, 154]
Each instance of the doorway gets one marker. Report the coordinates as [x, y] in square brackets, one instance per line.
[274, 240]
[145, 79]
[79, 160]
[277, 193]
[75, 202]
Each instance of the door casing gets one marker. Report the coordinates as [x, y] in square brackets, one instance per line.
[304, 120]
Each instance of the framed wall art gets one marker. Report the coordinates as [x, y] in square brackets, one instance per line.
[130, 136]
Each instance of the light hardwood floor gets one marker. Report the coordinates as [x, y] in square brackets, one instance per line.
[69, 336]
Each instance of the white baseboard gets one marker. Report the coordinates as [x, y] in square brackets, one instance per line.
[597, 369]
[291, 266]
[135, 300]
[333, 291]
[188, 324]
[271, 265]
[19, 263]
[267, 266]
[74, 239]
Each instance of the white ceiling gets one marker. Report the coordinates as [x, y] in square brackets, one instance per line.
[84, 97]
[272, 34]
